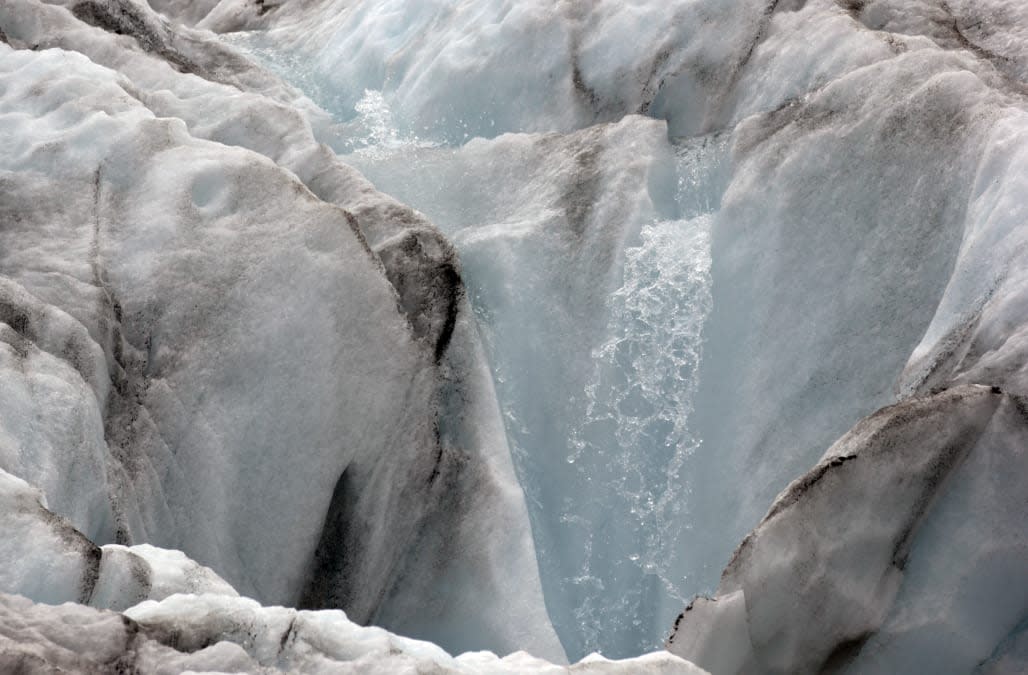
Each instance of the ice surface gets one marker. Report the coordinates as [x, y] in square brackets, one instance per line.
[457, 70]
[46, 559]
[223, 363]
[536, 217]
[904, 275]
[219, 634]
[664, 321]
[870, 144]
[180, 616]
[821, 573]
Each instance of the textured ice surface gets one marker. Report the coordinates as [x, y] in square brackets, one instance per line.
[909, 286]
[47, 560]
[586, 258]
[663, 333]
[201, 349]
[179, 616]
[872, 158]
[219, 634]
[904, 263]
[457, 70]
[858, 566]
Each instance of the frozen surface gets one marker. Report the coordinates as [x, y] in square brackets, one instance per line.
[586, 258]
[179, 616]
[664, 255]
[222, 340]
[842, 216]
[218, 634]
[863, 565]
[47, 560]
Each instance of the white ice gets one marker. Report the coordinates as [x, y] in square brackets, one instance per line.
[202, 354]
[864, 250]
[664, 255]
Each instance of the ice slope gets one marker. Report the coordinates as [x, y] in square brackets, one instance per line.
[220, 339]
[917, 292]
[903, 549]
[864, 238]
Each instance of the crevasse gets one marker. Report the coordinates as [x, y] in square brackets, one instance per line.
[514, 325]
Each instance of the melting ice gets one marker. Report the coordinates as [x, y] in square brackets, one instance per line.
[680, 279]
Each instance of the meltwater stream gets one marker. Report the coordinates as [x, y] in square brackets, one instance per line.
[596, 392]
[586, 258]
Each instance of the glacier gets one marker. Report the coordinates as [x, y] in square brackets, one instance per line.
[692, 333]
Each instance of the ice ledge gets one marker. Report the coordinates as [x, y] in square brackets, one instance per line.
[218, 633]
[178, 616]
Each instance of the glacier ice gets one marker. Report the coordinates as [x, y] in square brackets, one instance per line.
[219, 634]
[174, 615]
[855, 134]
[596, 380]
[46, 559]
[493, 322]
[844, 540]
[185, 331]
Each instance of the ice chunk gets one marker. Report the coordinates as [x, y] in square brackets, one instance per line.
[819, 575]
[49, 361]
[46, 559]
[43, 556]
[212, 633]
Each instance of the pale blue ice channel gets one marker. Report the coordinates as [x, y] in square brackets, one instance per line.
[604, 458]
